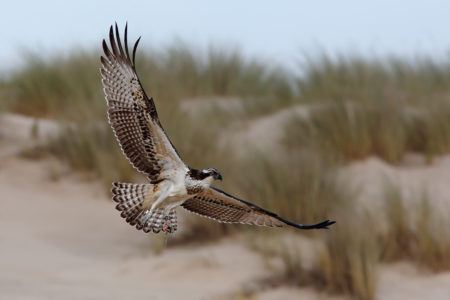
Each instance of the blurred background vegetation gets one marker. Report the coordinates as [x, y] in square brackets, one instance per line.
[355, 108]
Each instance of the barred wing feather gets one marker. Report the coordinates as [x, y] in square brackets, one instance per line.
[132, 115]
[223, 207]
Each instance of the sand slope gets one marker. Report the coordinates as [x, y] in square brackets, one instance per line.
[61, 238]
[64, 240]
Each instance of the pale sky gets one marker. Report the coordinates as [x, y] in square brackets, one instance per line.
[276, 31]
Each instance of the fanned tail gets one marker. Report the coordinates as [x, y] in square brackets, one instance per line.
[130, 199]
[157, 221]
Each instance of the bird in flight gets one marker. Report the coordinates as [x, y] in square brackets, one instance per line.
[134, 120]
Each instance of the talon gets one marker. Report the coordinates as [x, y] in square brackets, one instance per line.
[168, 228]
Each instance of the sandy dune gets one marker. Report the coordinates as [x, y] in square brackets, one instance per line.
[62, 239]
[413, 177]
[265, 133]
[405, 281]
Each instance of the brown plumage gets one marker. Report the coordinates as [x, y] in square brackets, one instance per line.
[220, 206]
[132, 115]
[134, 120]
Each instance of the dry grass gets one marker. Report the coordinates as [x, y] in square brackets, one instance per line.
[348, 256]
[349, 131]
[397, 243]
[305, 188]
[92, 147]
[384, 108]
[432, 237]
[344, 261]
[348, 261]
[417, 231]
[60, 87]
[353, 78]
[300, 187]
[63, 86]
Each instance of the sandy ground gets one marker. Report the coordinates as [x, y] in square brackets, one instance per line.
[405, 281]
[61, 238]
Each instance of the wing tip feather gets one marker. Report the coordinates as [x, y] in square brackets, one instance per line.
[118, 50]
[321, 225]
[134, 50]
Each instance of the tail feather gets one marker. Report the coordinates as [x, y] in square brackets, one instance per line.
[157, 221]
[130, 198]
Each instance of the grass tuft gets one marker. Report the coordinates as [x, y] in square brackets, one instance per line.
[349, 131]
[417, 231]
[300, 187]
[348, 261]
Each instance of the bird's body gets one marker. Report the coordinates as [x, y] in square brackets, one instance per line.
[134, 120]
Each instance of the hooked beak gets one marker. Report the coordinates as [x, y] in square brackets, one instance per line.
[217, 176]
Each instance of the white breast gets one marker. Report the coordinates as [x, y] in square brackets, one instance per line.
[178, 193]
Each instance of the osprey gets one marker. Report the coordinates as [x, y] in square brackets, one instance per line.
[134, 120]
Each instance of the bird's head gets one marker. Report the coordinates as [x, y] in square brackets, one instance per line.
[213, 173]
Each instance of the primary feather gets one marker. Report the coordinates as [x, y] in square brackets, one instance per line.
[132, 115]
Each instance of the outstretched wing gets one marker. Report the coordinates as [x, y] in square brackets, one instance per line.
[132, 115]
[223, 207]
